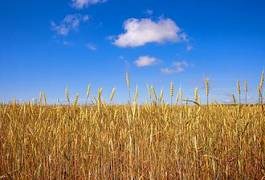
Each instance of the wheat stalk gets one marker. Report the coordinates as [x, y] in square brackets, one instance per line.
[261, 83]
[41, 98]
[246, 91]
[234, 98]
[88, 91]
[206, 84]
[260, 88]
[76, 99]
[196, 95]
[239, 91]
[136, 94]
[260, 94]
[67, 96]
[161, 96]
[154, 93]
[179, 96]
[149, 92]
[45, 98]
[127, 79]
[99, 101]
[112, 94]
[171, 91]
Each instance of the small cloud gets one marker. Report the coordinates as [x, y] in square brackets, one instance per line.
[189, 47]
[121, 57]
[177, 67]
[110, 38]
[86, 18]
[80, 4]
[139, 32]
[91, 47]
[63, 42]
[66, 43]
[149, 12]
[143, 61]
[70, 23]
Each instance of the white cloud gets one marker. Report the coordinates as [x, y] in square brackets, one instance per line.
[139, 32]
[80, 4]
[149, 12]
[145, 61]
[86, 18]
[91, 47]
[70, 23]
[189, 47]
[66, 43]
[177, 67]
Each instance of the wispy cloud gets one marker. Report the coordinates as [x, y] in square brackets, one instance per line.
[70, 23]
[143, 61]
[91, 47]
[66, 43]
[80, 4]
[189, 47]
[86, 18]
[177, 67]
[149, 12]
[139, 32]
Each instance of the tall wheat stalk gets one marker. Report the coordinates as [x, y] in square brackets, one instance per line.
[40, 99]
[239, 92]
[149, 93]
[161, 96]
[136, 94]
[234, 99]
[246, 91]
[171, 92]
[127, 79]
[135, 101]
[260, 88]
[112, 94]
[88, 91]
[45, 98]
[99, 100]
[179, 97]
[206, 84]
[67, 96]
[196, 95]
[76, 99]
[154, 94]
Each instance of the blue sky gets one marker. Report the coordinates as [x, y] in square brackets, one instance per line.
[48, 45]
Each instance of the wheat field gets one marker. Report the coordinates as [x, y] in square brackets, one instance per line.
[155, 140]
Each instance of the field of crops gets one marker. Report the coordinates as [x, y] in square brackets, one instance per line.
[157, 140]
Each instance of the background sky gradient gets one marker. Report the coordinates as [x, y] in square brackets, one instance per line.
[48, 45]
